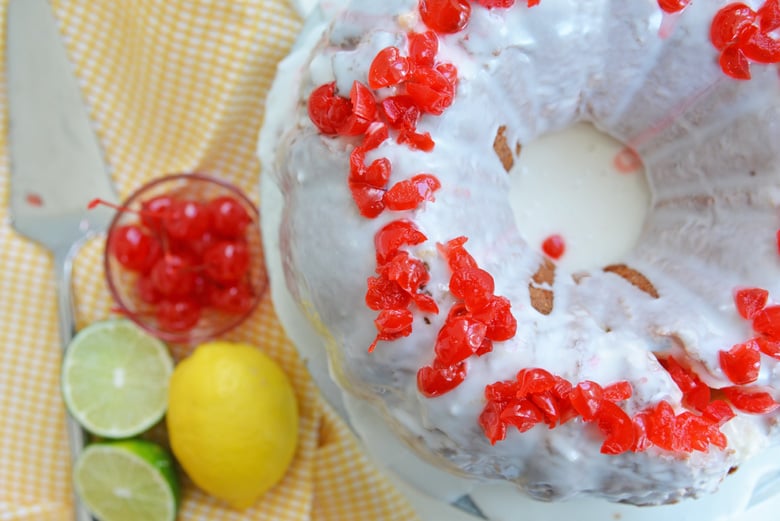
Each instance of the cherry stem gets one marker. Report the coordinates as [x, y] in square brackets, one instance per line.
[94, 203]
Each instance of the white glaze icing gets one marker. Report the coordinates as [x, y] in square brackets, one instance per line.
[713, 171]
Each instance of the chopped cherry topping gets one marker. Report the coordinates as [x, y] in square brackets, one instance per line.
[445, 16]
[618, 428]
[760, 47]
[457, 256]
[497, 315]
[522, 414]
[660, 425]
[729, 23]
[549, 405]
[388, 69]
[229, 218]
[376, 134]
[587, 397]
[718, 411]
[673, 6]
[767, 322]
[369, 199]
[392, 236]
[177, 315]
[618, 391]
[458, 340]
[410, 193]
[742, 362]
[474, 286]
[328, 111]
[641, 422]
[392, 324]
[768, 347]
[401, 112]
[769, 14]
[423, 48]
[415, 140]
[133, 248]
[386, 294]
[492, 424]
[533, 381]
[492, 4]
[227, 261]
[554, 246]
[750, 301]
[408, 272]
[750, 401]
[146, 291]
[734, 63]
[435, 381]
[696, 394]
[431, 90]
[186, 220]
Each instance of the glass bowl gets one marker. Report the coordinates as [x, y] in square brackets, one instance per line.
[184, 258]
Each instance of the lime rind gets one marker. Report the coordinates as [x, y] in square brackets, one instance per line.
[132, 480]
[115, 379]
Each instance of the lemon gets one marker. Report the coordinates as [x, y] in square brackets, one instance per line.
[130, 480]
[232, 421]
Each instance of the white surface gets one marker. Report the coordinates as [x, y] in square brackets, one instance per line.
[558, 186]
[429, 490]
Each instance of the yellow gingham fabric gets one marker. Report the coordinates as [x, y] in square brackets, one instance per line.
[172, 86]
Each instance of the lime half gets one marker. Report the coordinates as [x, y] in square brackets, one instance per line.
[115, 379]
[131, 480]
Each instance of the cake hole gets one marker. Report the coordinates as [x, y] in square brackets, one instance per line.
[567, 183]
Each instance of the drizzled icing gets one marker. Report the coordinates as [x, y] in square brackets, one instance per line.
[702, 214]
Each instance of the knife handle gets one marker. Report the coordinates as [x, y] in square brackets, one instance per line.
[63, 269]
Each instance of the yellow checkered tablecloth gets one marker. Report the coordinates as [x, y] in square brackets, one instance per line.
[172, 86]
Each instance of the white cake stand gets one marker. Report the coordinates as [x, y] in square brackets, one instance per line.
[751, 494]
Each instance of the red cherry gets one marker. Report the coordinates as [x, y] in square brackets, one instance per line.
[415, 140]
[392, 236]
[423, 48]
[618, 391]
[641, 441]
[186, 220]
[549, 405]
[768, 347]
[133, 248]
[750, 301]
[767, 322]
[492, 4]
[497, 315]
[410, 193]
[696, 394]
[229, 218]
[673, 6]
[729, 23]
[457, 256]
[430, 90]
[458, 340]
[368, 199]
[554, 246]
[146, 291]
[362, 108]
[153, 211]
[523, 414]
[173, 276]
[235, 298]
[587, 397]
[661, 421]
[388, 68]
[401, 112]
[533, 381]
[769, 14]
[177, 315]
[617, 426]
[474, 285]
[392, 324]
[227, 261]
[742, 362]
[492, 424]
[435, 381]
[445, 16]
[376, 134]
[750, 401]
[734, 63]
[328, 111]
[408, 272]
[718, 412]
[386, 294]
[760, 47]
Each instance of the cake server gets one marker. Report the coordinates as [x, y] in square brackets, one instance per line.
[57, 164]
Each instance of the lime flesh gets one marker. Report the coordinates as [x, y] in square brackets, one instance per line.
[115, 379]
[131, 480]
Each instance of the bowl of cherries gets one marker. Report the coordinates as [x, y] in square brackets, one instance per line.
[184, 257]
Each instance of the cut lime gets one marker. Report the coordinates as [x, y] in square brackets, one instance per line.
[131, 480]
[115, 379]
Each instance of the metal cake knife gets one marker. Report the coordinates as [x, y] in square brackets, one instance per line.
[57, 164]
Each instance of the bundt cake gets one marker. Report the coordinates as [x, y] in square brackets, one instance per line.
[392, 131]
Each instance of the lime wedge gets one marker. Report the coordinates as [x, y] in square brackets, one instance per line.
[131, 480]
[115, 379]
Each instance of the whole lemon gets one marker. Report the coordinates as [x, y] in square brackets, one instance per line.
[232, 421]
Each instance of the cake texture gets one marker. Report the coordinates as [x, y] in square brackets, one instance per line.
[392, 129]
